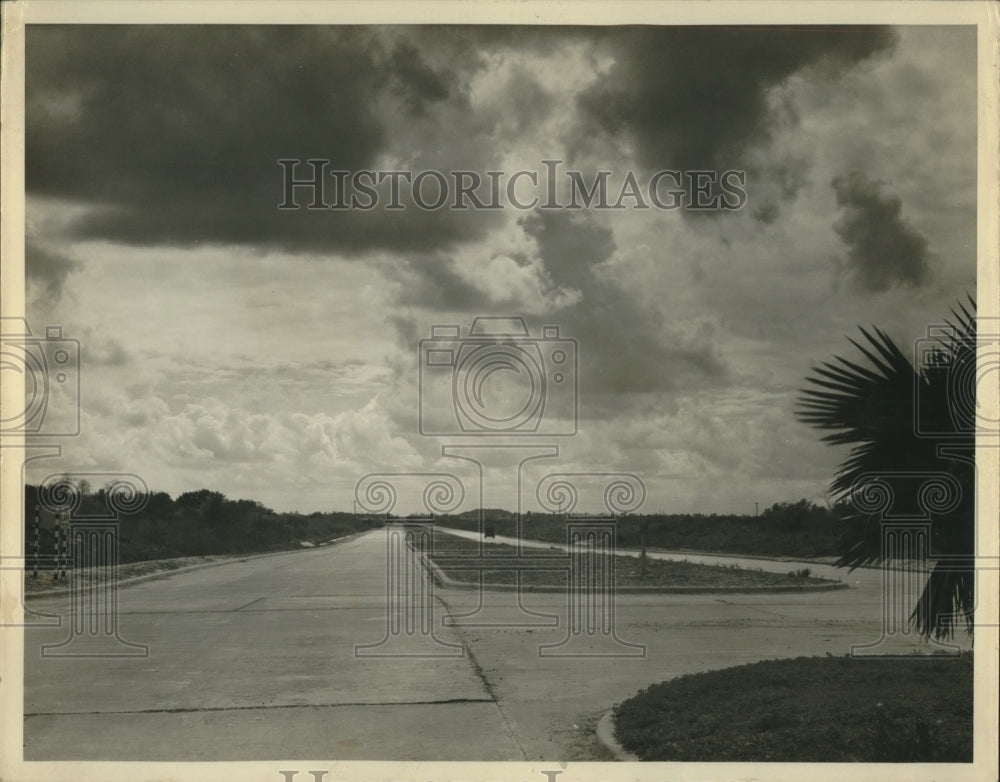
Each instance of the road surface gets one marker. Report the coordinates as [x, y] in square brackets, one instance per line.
[256, 660]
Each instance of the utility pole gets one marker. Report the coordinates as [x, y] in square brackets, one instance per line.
[756, 509]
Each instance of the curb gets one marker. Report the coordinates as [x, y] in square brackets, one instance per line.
[827, 561]
[606, 738]
[62, 592]
[821, 561]
[449, 583]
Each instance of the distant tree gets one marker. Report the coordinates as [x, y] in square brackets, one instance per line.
[789, 515]
[898, 419]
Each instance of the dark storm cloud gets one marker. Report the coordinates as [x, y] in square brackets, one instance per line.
[175, 133]
[569, 244]
[884, 250]
[47, 271]
[624, 346]
[698, 98]
[419, 82]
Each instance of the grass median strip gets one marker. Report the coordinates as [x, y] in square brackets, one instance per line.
[462, 559]
[808, 710]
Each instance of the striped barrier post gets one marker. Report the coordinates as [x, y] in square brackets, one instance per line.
[93, 612]
[54, 575]
[93, 617]
[63, 546]
[57, 546]
[34, 564]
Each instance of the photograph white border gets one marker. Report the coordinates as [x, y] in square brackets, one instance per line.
[582, 12]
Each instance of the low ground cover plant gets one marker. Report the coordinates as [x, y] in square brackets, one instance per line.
[808, 709]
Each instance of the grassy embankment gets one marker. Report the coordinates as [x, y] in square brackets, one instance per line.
[808, 709]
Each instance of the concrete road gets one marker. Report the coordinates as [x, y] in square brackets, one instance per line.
[256, 660]
[543, 697]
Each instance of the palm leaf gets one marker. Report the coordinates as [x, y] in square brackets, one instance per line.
[896, 417]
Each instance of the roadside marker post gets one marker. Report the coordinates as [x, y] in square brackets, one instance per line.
[93, 590]
[60, 548]
[34, 565]
[93, 619]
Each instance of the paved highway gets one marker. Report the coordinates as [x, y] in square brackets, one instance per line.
[256, 660]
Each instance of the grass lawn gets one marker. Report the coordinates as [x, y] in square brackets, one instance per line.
[808, 709]
[454, 556]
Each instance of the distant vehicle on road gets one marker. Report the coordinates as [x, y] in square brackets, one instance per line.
[490, 533]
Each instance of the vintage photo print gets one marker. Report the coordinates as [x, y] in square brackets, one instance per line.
[509, 392]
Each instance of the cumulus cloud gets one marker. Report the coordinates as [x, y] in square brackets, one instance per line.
[352, 441]
[883, 249]
[100, 350]
[249, 342]
[555, 270]
[703, 98]
[625, 346]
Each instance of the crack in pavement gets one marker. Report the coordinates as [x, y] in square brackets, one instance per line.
[248, 604]
[477, 669]
[268, 707]
[754, 608]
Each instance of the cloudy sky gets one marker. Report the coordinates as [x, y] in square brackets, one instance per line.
[273, 354]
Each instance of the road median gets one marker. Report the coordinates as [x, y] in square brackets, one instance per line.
[502, 567]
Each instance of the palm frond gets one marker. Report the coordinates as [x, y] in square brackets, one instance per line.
[947, 598]
[896, 417]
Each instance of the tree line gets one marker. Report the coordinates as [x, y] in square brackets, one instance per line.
[791, 529]
[196, 523]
